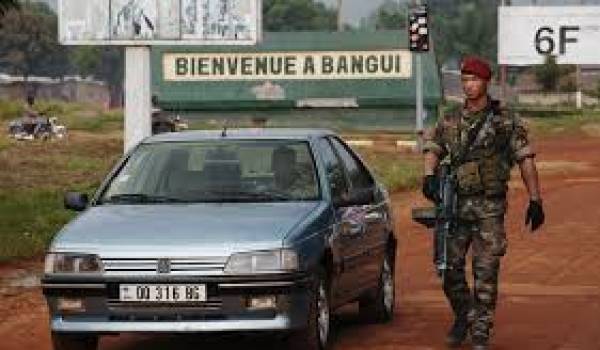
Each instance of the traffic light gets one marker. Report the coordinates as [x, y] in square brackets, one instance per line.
[418, 29]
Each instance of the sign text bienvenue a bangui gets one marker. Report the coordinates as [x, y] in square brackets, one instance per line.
[391, 64]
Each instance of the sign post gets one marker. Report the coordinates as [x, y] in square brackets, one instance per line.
[138, 109]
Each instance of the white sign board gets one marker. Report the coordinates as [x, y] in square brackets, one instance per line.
[326, 65]
[527, 34]
[159, 22]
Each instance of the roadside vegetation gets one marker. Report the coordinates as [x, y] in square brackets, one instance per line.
[35, 174]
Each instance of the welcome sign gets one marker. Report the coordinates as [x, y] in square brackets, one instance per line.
[388, 64]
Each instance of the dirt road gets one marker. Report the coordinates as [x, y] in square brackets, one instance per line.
[550, 282]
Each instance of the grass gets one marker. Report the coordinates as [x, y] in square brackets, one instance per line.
[30, 218]
[397, 171]
[35, 174]
[572, 123]
[76, 116]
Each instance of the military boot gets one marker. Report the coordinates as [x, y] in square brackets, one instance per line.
[480, 336]
[459, 332]
[480, 343]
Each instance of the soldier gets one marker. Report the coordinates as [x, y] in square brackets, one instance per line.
[482, 142]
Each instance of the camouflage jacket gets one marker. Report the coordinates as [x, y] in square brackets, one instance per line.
[485, 170]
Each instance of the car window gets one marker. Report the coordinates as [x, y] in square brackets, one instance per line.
[358, 175]
[333, 167]
[221, 171]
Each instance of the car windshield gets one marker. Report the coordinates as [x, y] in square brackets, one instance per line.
[216, 171]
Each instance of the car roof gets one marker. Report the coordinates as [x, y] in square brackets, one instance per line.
[240, 134]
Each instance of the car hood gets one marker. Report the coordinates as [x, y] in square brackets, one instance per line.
[206, 229]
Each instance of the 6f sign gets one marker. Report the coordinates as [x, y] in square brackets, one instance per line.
[527, 34]
[545, 39]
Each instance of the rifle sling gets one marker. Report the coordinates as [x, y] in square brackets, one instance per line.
[472, 136]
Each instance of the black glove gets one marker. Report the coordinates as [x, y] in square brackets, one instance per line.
[431, 188]
[535, 215]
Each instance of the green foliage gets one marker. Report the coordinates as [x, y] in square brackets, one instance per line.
[565, 121]
[395, 170]
[464, 27]
[389, 16]
[10, 109]
[297, 15]
[6, 5]
[549, 74]
[102, 63]
[28, 42]
[35, 174]
[30, 218]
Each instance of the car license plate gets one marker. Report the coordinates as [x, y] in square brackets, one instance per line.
[163, 293]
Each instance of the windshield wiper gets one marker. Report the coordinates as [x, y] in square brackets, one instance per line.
[264, 195]
[240, 196]
[141, 198]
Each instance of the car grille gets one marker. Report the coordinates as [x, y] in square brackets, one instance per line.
[178, 266]
[211, 304]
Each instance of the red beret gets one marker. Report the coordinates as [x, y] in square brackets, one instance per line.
[476, 66]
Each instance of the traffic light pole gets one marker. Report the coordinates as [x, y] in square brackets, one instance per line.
[419, 96]
[419, 101]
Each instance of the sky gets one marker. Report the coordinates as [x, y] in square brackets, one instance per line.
[354, 10]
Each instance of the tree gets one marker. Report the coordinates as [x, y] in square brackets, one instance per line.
[28, 42]
[463, 27]
[102, 63]
[297, 15]
[388, 16]
[549, 74]
[6, 5]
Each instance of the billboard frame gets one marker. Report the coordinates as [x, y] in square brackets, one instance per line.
[257, 6]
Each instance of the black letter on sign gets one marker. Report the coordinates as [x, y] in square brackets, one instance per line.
[539, 39]
[563, 37]
[181, 66]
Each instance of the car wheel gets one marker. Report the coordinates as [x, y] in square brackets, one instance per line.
[317, 334]
[378, 305]
[74, 342]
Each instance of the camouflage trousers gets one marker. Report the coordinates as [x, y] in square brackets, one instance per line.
[488, 241]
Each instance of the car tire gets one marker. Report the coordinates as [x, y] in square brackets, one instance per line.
[74, 342]
[317, 334]
[377, 306]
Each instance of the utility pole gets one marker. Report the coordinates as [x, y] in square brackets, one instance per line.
[340, 22]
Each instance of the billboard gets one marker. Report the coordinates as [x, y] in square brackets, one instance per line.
[159, 22]
[527, 34]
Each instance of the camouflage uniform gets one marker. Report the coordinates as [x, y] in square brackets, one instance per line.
[482, 181]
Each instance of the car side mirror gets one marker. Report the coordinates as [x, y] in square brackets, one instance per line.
[76, 201]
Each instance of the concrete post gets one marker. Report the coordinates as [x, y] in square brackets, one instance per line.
[138, 110]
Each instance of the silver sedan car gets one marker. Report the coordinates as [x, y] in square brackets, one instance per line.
[234, 231]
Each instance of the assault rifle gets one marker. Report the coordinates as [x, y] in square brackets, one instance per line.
[443, 218]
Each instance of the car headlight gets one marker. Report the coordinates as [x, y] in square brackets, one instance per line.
[271, 261]
[72, 263]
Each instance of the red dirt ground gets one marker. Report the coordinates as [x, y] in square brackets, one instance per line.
[550, 281]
